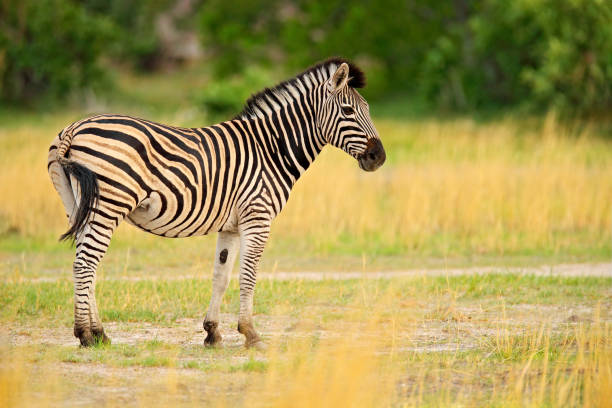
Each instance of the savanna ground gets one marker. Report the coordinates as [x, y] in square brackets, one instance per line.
[510, 192]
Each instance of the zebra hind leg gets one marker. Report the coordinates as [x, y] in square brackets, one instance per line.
[91, 247]
[225, 255]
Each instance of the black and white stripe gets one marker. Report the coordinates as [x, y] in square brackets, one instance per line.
[233, 178]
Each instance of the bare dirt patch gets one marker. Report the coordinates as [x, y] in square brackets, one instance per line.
[569, 270]
[458, 327]
[563, 270]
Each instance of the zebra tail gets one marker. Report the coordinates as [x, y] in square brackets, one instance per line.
[88, 188]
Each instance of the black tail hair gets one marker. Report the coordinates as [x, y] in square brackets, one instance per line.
[90, 194]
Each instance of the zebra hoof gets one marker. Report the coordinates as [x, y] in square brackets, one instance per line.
[85, 336]
[252, 338]
[88, 338]
[213, 337]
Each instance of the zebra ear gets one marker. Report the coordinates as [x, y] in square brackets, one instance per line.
[339, 79]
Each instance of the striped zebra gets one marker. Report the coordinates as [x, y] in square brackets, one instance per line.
[232, 178]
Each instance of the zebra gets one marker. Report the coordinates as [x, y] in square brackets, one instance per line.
[233, 178]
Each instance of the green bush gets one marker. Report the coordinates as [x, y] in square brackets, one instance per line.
[49, 48]
[574, 55]
[296, 34]
[459, 55]
[538, 53]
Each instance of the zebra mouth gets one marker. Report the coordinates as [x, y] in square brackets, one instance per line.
[373, 157]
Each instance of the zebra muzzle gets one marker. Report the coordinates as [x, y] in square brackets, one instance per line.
[373, 157]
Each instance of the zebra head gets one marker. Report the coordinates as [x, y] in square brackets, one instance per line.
[345, 118]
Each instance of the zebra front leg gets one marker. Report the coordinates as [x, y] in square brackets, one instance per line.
[225, 256]
[90, 249]
[252, 242]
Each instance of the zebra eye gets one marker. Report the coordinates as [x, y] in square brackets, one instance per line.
[347, 110]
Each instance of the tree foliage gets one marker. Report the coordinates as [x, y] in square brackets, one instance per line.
[137, 41]
[456, 55]
[49, 47]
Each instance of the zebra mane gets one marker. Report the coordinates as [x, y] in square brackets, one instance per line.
[263, 102]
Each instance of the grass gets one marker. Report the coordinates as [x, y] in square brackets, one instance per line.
[495, 340]
[165, 301]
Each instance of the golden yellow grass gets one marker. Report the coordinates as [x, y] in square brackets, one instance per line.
[461, 185]
[448, 188]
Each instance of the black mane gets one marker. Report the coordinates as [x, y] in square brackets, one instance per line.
[356, 80]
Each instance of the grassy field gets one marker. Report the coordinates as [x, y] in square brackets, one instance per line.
[454, 192]
[495, 340]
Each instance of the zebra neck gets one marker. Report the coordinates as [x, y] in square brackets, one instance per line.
[291, 138]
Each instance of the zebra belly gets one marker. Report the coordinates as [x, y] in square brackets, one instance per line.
[152, 216]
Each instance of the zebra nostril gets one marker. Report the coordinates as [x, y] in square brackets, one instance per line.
[371, 156]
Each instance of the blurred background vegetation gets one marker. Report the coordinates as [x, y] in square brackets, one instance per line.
[456, 55]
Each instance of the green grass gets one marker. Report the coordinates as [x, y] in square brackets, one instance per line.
[165, 301]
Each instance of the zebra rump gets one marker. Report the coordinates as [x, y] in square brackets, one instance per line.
[89, 192]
